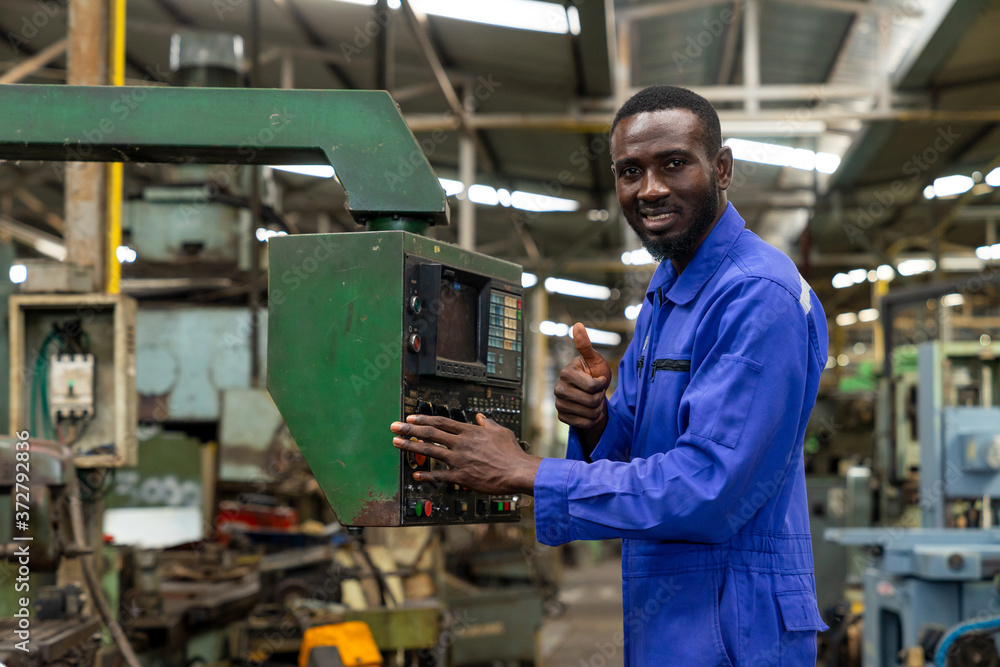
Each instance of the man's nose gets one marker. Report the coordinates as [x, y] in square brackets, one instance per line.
[653, 187]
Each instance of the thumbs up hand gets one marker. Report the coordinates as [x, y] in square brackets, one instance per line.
[580, 399]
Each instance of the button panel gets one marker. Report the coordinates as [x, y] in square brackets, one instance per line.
[428, 503]
[505, 342]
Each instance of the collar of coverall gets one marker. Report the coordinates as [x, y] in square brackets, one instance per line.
[706, 261]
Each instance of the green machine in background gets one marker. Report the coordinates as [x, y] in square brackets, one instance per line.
[368, 327]
[363, 328]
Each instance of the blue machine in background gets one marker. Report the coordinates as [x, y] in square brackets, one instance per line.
[932, 593]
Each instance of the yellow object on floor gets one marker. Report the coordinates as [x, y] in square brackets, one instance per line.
[353, 640]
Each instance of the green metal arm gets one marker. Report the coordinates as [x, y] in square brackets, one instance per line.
[361, 134]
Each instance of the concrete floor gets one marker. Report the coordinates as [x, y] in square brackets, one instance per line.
[589, 633]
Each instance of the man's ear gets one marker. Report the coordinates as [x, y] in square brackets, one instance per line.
[723, 166]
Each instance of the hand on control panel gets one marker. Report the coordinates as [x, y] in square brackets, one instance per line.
[484, 456]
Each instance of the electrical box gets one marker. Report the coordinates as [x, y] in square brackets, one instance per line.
[72, 374]
[369, 327]
[71, 386]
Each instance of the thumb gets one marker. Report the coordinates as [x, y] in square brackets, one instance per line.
[596, 364]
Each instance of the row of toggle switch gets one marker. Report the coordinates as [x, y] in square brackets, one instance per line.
[464, 416]
[459, 507]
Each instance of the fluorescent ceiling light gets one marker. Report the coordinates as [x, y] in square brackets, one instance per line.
[842, 280]
[993, 178]
[988, 252]
[451, 187]
[366, 3]
[952, 300]
[597, 336]
[483, 194]
[858, 276]
[912, 267]
[573, 17]
[574, 288]
[527, 201]
[317, 170]
[520, 14]
[846, 319]
[949, 186]
[783, 156]
[18, 273]
[637, 257]
[885, 273]
[553, 328]
[264, 235]
[868, 315]
[632, 312]
[125, 254]
[528, 280]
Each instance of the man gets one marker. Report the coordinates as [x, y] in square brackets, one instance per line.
[696, 459]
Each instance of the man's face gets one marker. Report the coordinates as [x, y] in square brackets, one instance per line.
[669, 188]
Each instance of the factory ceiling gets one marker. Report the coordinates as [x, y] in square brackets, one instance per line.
[903, 91]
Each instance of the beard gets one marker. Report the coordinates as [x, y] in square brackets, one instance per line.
[684, 245]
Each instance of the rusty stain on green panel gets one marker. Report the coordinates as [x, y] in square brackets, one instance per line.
[360, 133]
[335, 356]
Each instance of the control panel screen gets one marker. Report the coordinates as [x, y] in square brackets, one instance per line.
[458, 330]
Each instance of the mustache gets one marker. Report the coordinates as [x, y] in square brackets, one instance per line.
[657, 210]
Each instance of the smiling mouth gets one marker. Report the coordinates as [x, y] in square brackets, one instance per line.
[659, 222]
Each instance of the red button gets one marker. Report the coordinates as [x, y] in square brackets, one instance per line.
[518, 303]
[506, 507]
[419, 458]
[427, 508]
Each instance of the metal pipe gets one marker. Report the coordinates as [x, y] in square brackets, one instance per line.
[751, 57]
[467, 174]
[116, 170]
[90, 578]
[86, 183]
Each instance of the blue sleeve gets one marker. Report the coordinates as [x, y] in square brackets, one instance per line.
[616, 441]
[741, 413]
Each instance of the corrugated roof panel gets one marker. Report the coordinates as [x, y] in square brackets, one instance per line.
[799, 44]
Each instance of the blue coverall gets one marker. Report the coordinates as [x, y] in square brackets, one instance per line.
[700, 466]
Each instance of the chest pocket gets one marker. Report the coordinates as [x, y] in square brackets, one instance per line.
[667, 380]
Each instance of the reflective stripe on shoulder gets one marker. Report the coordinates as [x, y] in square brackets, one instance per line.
[804, 299]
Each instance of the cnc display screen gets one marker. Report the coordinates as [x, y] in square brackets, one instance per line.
[458, 328]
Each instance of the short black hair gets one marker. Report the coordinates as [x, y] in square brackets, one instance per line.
[657, 98]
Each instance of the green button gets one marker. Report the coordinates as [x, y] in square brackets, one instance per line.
[420, 509]
[500, 507]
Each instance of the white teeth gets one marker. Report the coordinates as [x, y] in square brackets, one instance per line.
[657, 217]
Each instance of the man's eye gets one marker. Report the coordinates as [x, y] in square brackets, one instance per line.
[675, 163]
[629, 172]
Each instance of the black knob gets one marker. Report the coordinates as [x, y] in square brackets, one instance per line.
[459, 415]
[424, 408]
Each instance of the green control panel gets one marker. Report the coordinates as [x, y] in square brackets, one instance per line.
[366, 328]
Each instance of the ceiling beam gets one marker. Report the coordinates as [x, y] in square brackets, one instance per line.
[32, 64]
